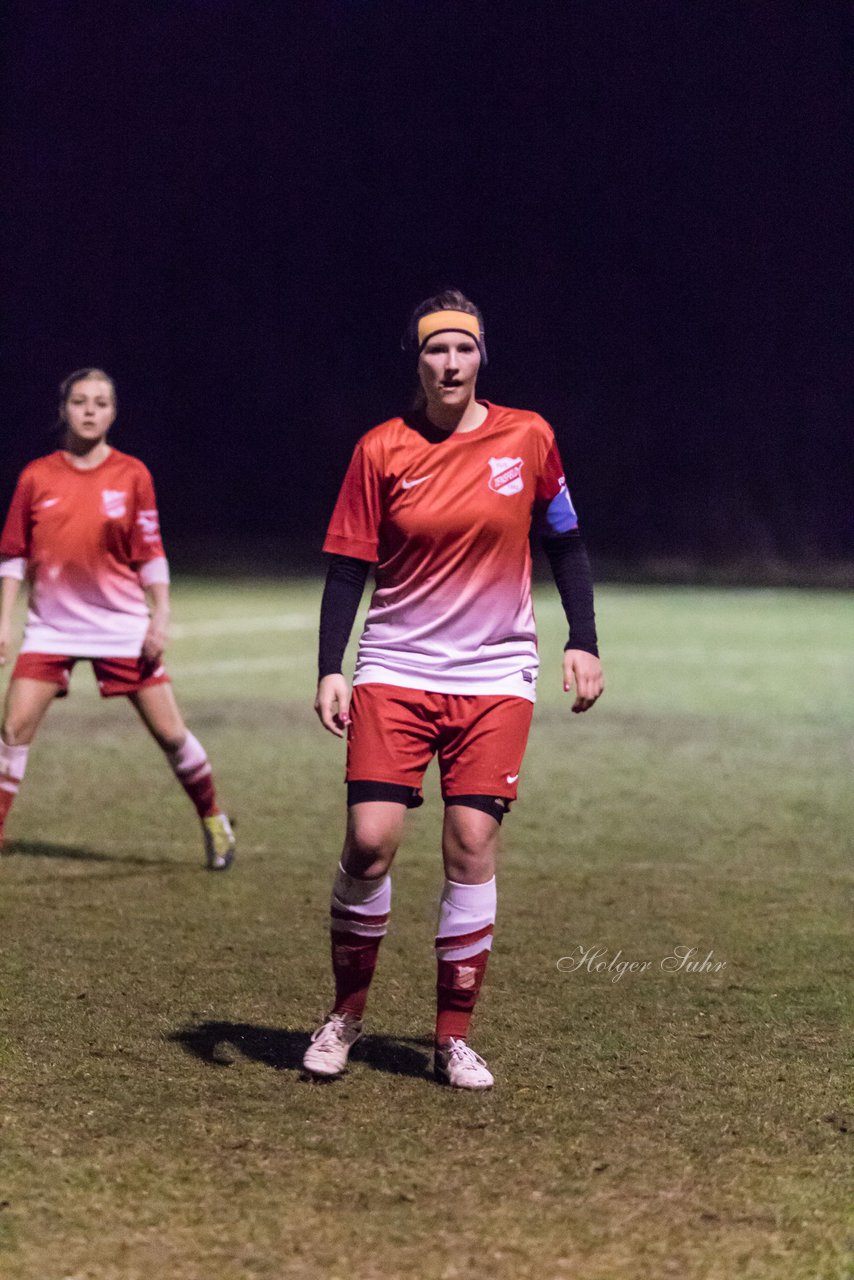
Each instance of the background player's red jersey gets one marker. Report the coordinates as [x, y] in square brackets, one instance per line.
[82, 537]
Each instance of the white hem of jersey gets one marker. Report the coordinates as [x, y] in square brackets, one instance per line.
[41, 639]
[512, 686]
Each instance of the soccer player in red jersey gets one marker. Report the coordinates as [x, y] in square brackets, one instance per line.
[83, 529]
[441, 502]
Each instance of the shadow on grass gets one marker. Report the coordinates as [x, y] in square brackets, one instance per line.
[283, 1050]
[78, 853]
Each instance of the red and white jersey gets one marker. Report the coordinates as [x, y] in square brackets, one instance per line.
[447, 519]
[82, 538]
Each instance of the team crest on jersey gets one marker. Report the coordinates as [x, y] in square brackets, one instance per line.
[506, 475]
[114, 503]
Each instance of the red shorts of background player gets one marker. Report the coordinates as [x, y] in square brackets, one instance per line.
[480, 740]
[115, 676]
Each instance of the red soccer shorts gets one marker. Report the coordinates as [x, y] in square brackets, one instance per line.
[480, 739]
[115, 676]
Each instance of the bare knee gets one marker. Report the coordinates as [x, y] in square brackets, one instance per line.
[169, 733]
[171, 743]
[161, 716]
[370, 845]
[16, 734]
[19, 729]
[469, 866]
[469, 845]
[26, 703]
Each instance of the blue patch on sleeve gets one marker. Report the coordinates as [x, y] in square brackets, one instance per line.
[560, 514]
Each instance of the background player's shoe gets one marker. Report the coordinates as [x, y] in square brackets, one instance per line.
[460, 1067]
[220, 845]
[330, 1046]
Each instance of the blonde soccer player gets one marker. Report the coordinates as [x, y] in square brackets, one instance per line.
[440, 502]
[83, 531]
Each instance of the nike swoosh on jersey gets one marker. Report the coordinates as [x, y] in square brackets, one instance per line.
[410, 484]
[48, 502]
[511, 777]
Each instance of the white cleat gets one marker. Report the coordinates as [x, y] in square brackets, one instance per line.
[326, 1056]
[460, 1067]
[220, 844]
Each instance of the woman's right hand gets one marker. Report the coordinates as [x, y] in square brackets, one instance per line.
[332, 703]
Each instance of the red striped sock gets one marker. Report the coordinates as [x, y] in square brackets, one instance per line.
[458, 985]
[463, 943]
[6, 798]
[192, 768]
[359, 918]
[13, 762]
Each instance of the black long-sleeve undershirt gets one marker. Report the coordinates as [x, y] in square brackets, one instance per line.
[346, 577]
[345, 582]
[570, 566]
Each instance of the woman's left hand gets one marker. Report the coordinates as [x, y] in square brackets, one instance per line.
[584, 671]
[156, 636]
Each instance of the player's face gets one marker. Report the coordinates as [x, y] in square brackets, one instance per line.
[90, 409]
[448, 368]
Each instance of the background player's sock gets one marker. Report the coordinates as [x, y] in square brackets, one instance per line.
[192, 768]
[359, 918]
[463, 943]
[13, 762]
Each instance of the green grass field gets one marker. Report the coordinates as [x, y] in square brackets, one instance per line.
[658, 1124]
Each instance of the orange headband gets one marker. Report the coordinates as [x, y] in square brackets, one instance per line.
[441, 321]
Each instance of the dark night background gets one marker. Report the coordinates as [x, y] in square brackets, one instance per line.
[233, 206]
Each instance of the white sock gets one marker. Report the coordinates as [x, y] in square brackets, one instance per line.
[13, 764]
[189, 761]
[360, 906]
[466, 919]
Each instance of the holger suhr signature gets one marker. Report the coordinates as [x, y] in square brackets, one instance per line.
[599, 960]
